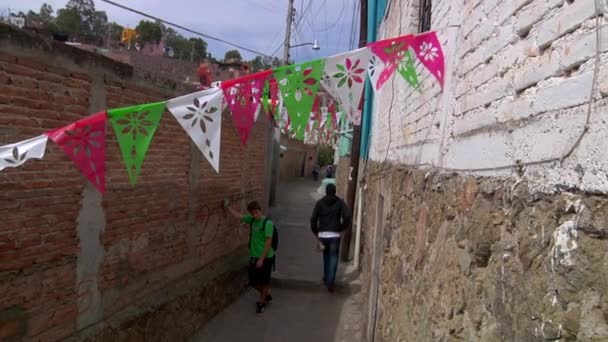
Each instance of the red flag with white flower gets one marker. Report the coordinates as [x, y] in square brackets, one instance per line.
[429, 53]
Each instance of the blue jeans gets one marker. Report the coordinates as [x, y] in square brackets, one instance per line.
[330, 260]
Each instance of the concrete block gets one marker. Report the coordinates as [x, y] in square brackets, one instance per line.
[488, 93]
[474, 119]
[511, 56]
[568, 19]
[488, 6]
[483, 150]
[507, 9]
[472, 60]
[513, 109]
[582, 48]
[470, 22]
[482, 32]
[536, 70]
[572, 91]
[483, 74]
[550, 136]
[603, 81]
[533, 13]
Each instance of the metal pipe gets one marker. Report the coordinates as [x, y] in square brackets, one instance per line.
[366, 119]
[358, 228]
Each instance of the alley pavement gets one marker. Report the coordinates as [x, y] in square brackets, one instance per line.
[302, 309]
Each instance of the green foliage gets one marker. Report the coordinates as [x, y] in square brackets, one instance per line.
[148, 32]
[69, 21]
[115, 31]
[233, 54]
[325, 156]
[184, 48]
[264, 63]
[46, 14]
[79, 19]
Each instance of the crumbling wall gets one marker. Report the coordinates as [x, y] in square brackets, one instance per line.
[482, 259]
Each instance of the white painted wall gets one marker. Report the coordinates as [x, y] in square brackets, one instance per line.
[519, 75]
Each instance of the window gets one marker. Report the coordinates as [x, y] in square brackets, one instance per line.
[424, 16]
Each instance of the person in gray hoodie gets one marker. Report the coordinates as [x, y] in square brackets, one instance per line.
[330, 217]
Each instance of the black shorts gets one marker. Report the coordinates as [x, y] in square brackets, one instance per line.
[260, 276]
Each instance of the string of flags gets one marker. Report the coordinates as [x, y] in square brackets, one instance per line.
[288, 95]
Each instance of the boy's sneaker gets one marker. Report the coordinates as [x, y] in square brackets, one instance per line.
[260, 307]
[268, 299]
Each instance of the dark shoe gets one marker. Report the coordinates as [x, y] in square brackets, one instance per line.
[260, 307]
[331, 288]
[268, 298]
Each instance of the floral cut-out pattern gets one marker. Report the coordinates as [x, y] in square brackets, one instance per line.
[346, 80]
[408, 71]
[391, 52]
[200, 115]
[17, 154]
[135, 127]
[429, 53]
[244, 97]
[299, 85]
[84, 142]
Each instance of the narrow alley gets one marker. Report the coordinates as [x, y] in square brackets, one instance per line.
[466, 137]
[302, 309]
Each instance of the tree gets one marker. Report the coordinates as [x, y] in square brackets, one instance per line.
[194, 49]
[233, 54]
[260, 63]
[199, 49]
[115, 31]
[69, 22]
[148, 32]
[99, 27]
[80, 20]
[46, 14]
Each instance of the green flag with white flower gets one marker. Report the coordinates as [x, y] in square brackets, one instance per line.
[135, 127]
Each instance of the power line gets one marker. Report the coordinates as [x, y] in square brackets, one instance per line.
[185, 28]
[337, 18]
[303, 15]
[265, 6]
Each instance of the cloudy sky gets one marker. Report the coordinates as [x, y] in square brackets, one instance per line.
[256, 24]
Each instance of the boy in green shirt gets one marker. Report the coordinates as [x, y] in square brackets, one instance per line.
[260, 251]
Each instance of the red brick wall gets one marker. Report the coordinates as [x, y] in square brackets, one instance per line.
[161, 230]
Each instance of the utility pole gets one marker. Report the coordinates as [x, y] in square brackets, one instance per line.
[275, 132]
[354, 153]
[288, 32]
[192, 53]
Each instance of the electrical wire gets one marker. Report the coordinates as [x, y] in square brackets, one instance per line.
[354, 26]
[265, 6]
[337, 18]
[185, 28]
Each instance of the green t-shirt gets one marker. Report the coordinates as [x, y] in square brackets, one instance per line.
[259, 235]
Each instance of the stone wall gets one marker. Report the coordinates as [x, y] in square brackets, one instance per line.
[71, 259]
[342, 175]
[485, 201]
[464, 258]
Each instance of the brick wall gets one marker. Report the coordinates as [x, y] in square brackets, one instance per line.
[518, 80]
[70, 259]
[296, 153]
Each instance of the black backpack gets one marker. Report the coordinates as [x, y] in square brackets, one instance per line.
[275, 234]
